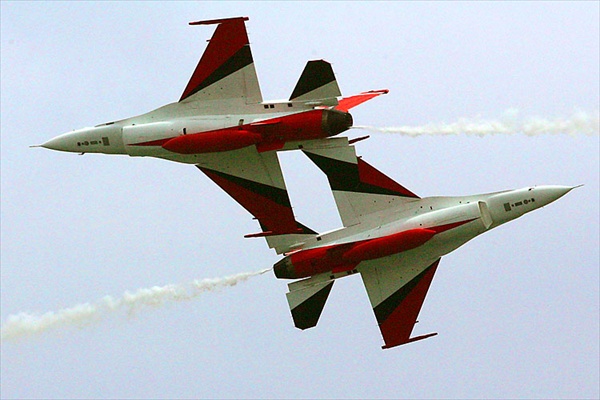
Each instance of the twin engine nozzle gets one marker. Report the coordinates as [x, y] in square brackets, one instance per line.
[336, 122]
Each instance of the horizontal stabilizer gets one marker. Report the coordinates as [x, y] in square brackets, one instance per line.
[347, 103]
[317, 82]
[306, 302]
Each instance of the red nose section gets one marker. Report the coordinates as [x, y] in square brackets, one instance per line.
[212, 141]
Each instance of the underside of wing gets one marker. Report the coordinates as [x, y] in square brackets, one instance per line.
[226, 70]
[358, 188]
[397, 287]
[256, 182]
[347, 103]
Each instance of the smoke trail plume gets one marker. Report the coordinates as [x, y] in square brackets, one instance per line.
[24, 324]
[579, 123]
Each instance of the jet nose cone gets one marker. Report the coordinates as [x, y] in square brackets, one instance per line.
[70, 141]
[60, 143]
[65, 142]
[548, 194]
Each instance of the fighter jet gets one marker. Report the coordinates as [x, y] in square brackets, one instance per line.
[222, 125]
[392, 238]
[221, 109]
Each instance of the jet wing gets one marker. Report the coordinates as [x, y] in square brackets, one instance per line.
[397, 286]
[226, 70]
[256, 182]
[358, 188]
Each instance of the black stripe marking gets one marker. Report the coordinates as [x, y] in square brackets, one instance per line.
[279, 196]
[239, 60]
[345, 177]
[306, 314]
[316, 74]
[387, 307]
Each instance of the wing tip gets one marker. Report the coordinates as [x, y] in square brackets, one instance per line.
[227, 53]
[411, 340]
[218, 21]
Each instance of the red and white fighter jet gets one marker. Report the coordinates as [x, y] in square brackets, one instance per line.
[222, 125]
[393, 238]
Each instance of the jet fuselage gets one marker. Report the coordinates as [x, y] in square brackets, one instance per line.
[390, 235]
[180, 133]
[432, 226]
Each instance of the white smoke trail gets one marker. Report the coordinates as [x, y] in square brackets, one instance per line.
[579, 123]
[24, 324]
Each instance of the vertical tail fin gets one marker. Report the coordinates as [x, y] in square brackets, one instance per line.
[317, 82]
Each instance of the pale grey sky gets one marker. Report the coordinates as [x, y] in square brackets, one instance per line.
[517, 309]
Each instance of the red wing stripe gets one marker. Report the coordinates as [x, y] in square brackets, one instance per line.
[373, 177]
[358, 178]
[229, 38]
[270, 205]
[398, 313]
